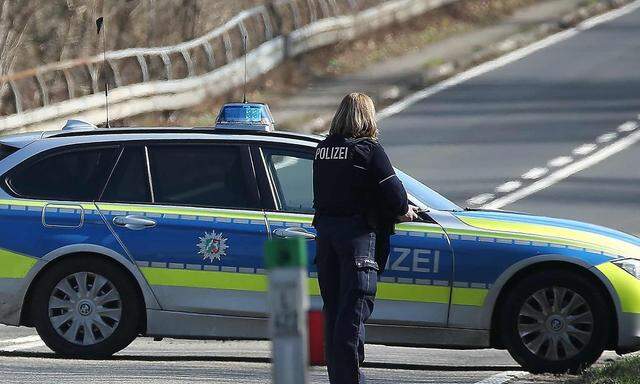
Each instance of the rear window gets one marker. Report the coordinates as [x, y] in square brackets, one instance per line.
[6, 150]
[77, 175]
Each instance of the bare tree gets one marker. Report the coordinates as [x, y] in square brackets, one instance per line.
[15, 16]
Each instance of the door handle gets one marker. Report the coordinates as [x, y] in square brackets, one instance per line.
[133, 222]
[293, 232]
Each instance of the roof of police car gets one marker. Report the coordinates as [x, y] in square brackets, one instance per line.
[136, 133]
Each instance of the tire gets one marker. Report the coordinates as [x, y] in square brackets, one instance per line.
[574, 322]
[109, 308]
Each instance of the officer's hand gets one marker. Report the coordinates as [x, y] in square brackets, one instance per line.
[411, 215]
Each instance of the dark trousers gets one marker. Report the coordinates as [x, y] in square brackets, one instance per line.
[347, 274]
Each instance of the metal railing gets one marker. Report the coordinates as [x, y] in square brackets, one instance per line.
[208, 65]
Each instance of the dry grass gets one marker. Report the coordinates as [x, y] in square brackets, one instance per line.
[622, 371]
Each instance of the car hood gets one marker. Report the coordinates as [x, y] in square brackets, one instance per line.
[569, 232]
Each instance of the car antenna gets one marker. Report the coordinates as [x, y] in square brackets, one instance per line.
[100, 26]
[244, 88]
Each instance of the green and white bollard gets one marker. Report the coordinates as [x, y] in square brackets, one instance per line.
[286, 260]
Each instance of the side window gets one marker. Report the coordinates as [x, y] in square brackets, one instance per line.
[292, 173]
[77, 175]
[211, 175]
[129, 182]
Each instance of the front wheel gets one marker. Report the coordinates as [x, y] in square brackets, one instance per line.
[86, 307]
[555, 322]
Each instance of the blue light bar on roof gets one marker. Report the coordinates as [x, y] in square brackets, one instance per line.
[248, 116]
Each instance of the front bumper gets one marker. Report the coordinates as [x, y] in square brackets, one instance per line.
[628, 333]
[11, 299]
[627, 292]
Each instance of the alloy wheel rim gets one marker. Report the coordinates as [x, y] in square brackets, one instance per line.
[555, 323]
[85, 308]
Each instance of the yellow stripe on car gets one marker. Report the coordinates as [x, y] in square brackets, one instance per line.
[469, 296]
[41, 203]
[287, 217]
[627, 286]
[415, 293]
[14, 265]
[259, 283]
[208, 212]
[206, 279]
[307, 219]
[140, 208]
[559, 235]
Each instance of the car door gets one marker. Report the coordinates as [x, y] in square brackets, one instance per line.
[416, 285]
[188, 214]
[52, 205]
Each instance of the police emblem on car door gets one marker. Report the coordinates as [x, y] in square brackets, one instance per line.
[212, 246]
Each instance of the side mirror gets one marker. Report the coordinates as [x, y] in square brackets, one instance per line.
[424, 216]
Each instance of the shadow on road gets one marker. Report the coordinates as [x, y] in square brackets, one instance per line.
[266, 360]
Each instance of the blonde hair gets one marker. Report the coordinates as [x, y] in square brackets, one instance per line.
[355, 117]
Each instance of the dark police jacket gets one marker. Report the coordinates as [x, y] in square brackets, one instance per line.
[355, 177]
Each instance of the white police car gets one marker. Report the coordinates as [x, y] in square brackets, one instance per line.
[108, 234]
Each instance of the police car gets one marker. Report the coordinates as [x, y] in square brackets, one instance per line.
[111, 234]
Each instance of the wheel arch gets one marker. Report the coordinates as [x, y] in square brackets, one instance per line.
[544, 263]
[145, 295]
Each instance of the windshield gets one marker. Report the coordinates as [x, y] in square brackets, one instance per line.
[426, 195]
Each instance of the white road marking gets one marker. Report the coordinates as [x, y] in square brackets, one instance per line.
[535, 173]
[19, 340]
[628, 126]
[22, 346]
[509, 186]
[505, 59]
[584, 149]
[567, 171]
[560, 161]
[607, 137]
[513, 57]
[481, 199]
[503, 377]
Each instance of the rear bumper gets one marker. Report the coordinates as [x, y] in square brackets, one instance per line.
[11, 299]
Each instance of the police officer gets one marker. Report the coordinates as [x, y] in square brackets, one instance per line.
[357, 200]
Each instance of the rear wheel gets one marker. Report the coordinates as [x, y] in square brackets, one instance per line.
[555, 321]
[86, 307]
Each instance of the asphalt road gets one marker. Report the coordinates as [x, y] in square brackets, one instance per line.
[465, 141]
[181, 361]
[24, 359]
[471, 139]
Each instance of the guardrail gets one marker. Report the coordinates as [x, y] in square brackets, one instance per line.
[168, 78]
